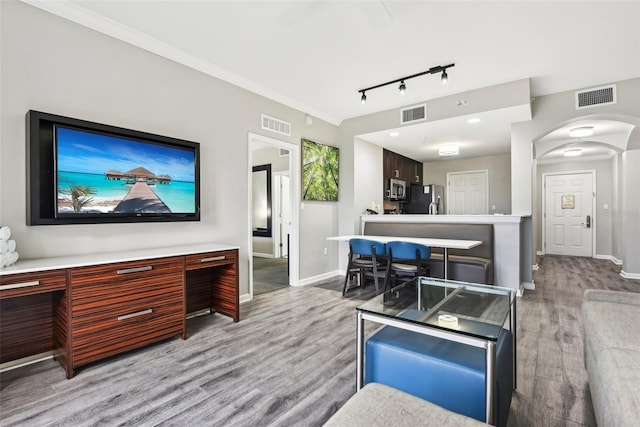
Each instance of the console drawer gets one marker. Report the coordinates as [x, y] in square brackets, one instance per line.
[142, 269]
[119, 296]
[122, 306]
[18, 285]
[210, 259]
[145, 321]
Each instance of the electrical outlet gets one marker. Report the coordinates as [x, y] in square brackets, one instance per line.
[326, 251]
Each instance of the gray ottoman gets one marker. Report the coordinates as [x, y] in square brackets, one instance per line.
[380, 405]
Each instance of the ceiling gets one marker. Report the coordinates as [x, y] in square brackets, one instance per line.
[316, 55]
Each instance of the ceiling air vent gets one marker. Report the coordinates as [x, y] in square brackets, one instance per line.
[413, 114]
[596, 96]
[276, 125]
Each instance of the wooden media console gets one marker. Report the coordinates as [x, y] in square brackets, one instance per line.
[86, 308]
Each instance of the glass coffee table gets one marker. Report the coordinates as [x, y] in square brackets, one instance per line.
[466, 313]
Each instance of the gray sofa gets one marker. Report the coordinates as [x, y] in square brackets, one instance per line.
[612, 355]
[468, 265]
[380, 405]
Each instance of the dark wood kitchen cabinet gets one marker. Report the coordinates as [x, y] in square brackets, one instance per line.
[397, 166]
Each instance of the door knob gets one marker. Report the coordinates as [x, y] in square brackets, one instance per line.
[588, 221]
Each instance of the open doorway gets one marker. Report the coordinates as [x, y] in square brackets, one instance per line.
[273, 247]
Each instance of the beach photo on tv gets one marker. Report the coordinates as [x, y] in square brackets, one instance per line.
[104, 174]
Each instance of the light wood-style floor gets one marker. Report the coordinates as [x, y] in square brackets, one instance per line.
[290, 361]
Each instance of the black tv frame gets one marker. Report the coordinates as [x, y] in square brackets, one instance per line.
[41, 191]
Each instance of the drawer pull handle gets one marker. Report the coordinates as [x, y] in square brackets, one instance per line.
[19, 285]
[135, 269]
[213, 258]
[136, 314]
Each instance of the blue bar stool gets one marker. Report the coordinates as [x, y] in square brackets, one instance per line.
[406, 260]
[366, 259]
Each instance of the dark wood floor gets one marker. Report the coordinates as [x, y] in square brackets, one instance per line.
[291, 361]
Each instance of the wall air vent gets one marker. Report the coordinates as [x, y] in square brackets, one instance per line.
[595, 97]
[276, 125]
[413, 114]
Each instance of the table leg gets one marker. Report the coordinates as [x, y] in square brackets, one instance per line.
[491, 383]
[446, 263]
[359, 351]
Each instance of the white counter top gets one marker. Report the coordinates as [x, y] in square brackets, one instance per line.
[72, 261]
[444, 219]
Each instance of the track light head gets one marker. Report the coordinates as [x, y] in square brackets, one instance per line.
[445, 78]
[402, 88]
[363, 98]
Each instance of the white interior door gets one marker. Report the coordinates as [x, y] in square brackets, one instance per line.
[568, 214]
[467, 193]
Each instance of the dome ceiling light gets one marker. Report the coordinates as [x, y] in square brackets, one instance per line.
[581, 131]
[448, 150]
[572, 152]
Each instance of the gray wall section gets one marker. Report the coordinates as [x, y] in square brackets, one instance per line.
[56, 66]
[499, 168]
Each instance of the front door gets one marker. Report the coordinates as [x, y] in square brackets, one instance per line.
[568, 220]
[467, 193]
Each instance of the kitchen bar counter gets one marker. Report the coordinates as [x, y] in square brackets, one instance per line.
[512, 246]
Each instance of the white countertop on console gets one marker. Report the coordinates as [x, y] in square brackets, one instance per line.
[71, 261]
[451, 219]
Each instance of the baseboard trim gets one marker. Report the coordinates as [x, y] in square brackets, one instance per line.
[18, 363]
[611, 258]
[262, 255]
[530, 286]
[539, 253]
[635, 276]
[319, 278]
[245, 298]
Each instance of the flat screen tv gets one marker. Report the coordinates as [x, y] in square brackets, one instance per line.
[84, 172]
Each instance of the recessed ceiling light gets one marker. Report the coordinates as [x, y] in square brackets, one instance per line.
[581, 131]
[394, 133]
[474, 120]
[448, 150]
[572, 152]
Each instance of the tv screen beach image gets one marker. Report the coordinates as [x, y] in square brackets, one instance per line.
[98, 173]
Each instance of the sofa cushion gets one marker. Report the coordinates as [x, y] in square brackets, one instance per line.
[612, 319]
[612, 350]
[380, 405]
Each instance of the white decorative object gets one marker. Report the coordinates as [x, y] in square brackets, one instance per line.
[448, 321]
[8, 254]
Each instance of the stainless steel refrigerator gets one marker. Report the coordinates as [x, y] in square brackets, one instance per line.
[425, 199]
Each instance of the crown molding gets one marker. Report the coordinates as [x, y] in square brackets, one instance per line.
[75, 13]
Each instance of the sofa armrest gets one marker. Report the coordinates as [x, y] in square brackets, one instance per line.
[619, 297]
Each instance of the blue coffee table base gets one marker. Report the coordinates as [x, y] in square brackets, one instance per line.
[444, 372]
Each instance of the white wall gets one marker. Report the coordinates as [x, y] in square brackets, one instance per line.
[53, 65]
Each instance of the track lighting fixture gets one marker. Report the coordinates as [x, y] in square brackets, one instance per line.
[402, 88]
